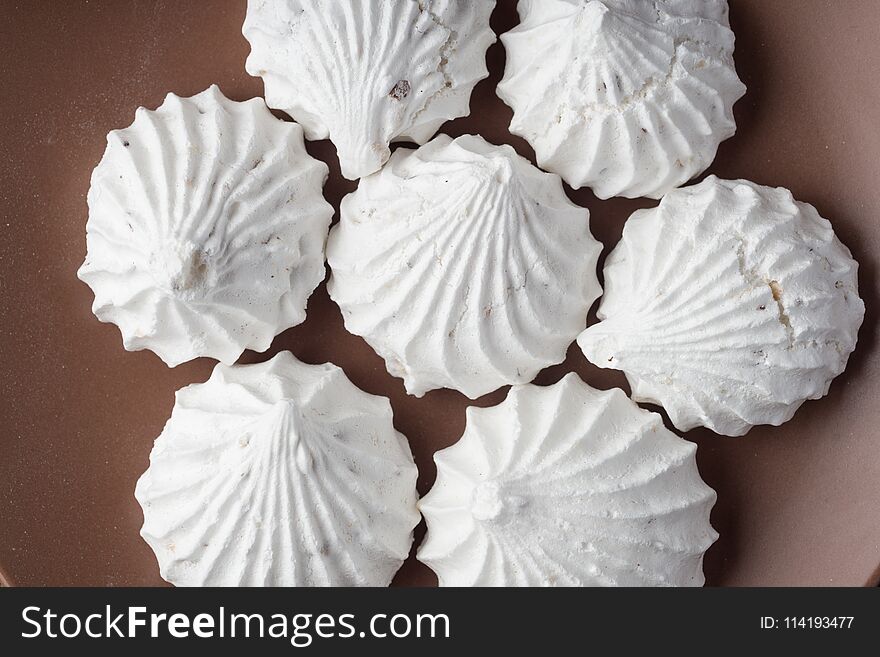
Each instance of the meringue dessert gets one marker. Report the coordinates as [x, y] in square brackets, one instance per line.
[279, 474]
[367, 73]
[627, 97]
[206, 228]
[463, 266]
[729, 304]
[566, 485]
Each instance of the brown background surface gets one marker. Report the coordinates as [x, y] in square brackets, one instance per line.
[78, 415]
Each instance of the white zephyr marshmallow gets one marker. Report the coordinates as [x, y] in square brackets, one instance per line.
[628, 97]
[279, 474]
[463, 266]
[366, 73]
[729, 304]
[567, 486]
[206, 228]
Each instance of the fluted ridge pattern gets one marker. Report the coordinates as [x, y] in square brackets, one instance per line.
[566, 485]
[206, 228]
[279, 474]
[463, 266]
[368, 72]
[729, 304]
[628, 97]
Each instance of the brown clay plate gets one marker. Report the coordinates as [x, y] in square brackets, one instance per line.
[797, 504]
